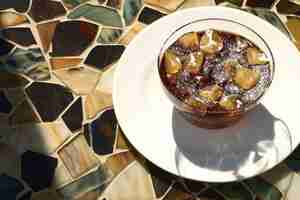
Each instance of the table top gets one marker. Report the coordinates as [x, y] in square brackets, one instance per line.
[59, 137]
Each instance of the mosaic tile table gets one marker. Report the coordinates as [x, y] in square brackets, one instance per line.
[59, 138]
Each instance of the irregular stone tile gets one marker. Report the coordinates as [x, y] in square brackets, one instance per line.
[42, 138]
[18, 5]
[77, 156]
[135, 176]
[167, 4]
[103, 130]
[118, 162]
[105, 84]
[263, 189]
[38, 170]
[30, 62]
[234, 191]
[258, 3]
[5, 47]
[99, 14]
[15, 95]
[293, 23]
[67, 32]
[296, 153]
[281, 177]
[45, 9]
[81, 80]
[87, 134]
[235, 2]
[97, 101]
[5, 105]
[149, 15]
[194, 186]
[109, 35]
[270, 17]
[73, 3]
[64, 63]
[101, 1]
[131, 9]
[46, 32]
[102, 56]
[9, 187]
[49, 99]
[46, 195]
[10, 80]
[133, 31]
[91, 195]
[122, 142]
[196, 3]
[210, 194]
[161, 179]
[117, 4]
[26, 196]
[288, 7]
[10, 160]
[11, 19]
[95, 180]
[19, 35]
[293, 164]
[22, 114]
[61, 176]
[73, 116]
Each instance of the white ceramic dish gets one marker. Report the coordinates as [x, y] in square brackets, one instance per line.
[262, 139]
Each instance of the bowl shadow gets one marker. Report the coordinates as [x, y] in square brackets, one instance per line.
[244, 149]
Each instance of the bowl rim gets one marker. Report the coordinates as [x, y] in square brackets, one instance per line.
[237, 111]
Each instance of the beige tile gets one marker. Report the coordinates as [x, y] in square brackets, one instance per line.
[131, 33]
[96, 102]
[167, 4]
[77, 156]
[117, 162]
[11, 19]
[196, 3]
[44, 138]
[64, 63]
[46, 32]
[61, 176]
[134, 183]
[293, 191]
[10, 161]
[81, 80]
[293, 24]
[121, 141]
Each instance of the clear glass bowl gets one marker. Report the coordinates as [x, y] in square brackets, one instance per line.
[213, 119]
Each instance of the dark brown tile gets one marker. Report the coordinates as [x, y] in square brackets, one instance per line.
[21, 36]
[46, 32]
[18, 5]
[259, 3]
[73, 116]
[49, 99]
[67, 32]
[5, 47]
[46, 9]
[102, 56]
[288, 7]
[10, 80]
[167, 4]
[115, 3]
[149, 15]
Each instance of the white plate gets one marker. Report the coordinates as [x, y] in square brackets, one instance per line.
[261, 140]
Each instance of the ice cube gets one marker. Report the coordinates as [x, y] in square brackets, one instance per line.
[172, 63]
[194, 61]
[211, 42]
[246, 78]
[256, 57]
[189, 40]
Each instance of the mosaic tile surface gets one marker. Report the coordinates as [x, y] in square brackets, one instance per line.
[59, 137]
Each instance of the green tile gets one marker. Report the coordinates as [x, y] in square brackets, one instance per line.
[131, 9]
[99, 14]
[109, 35]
